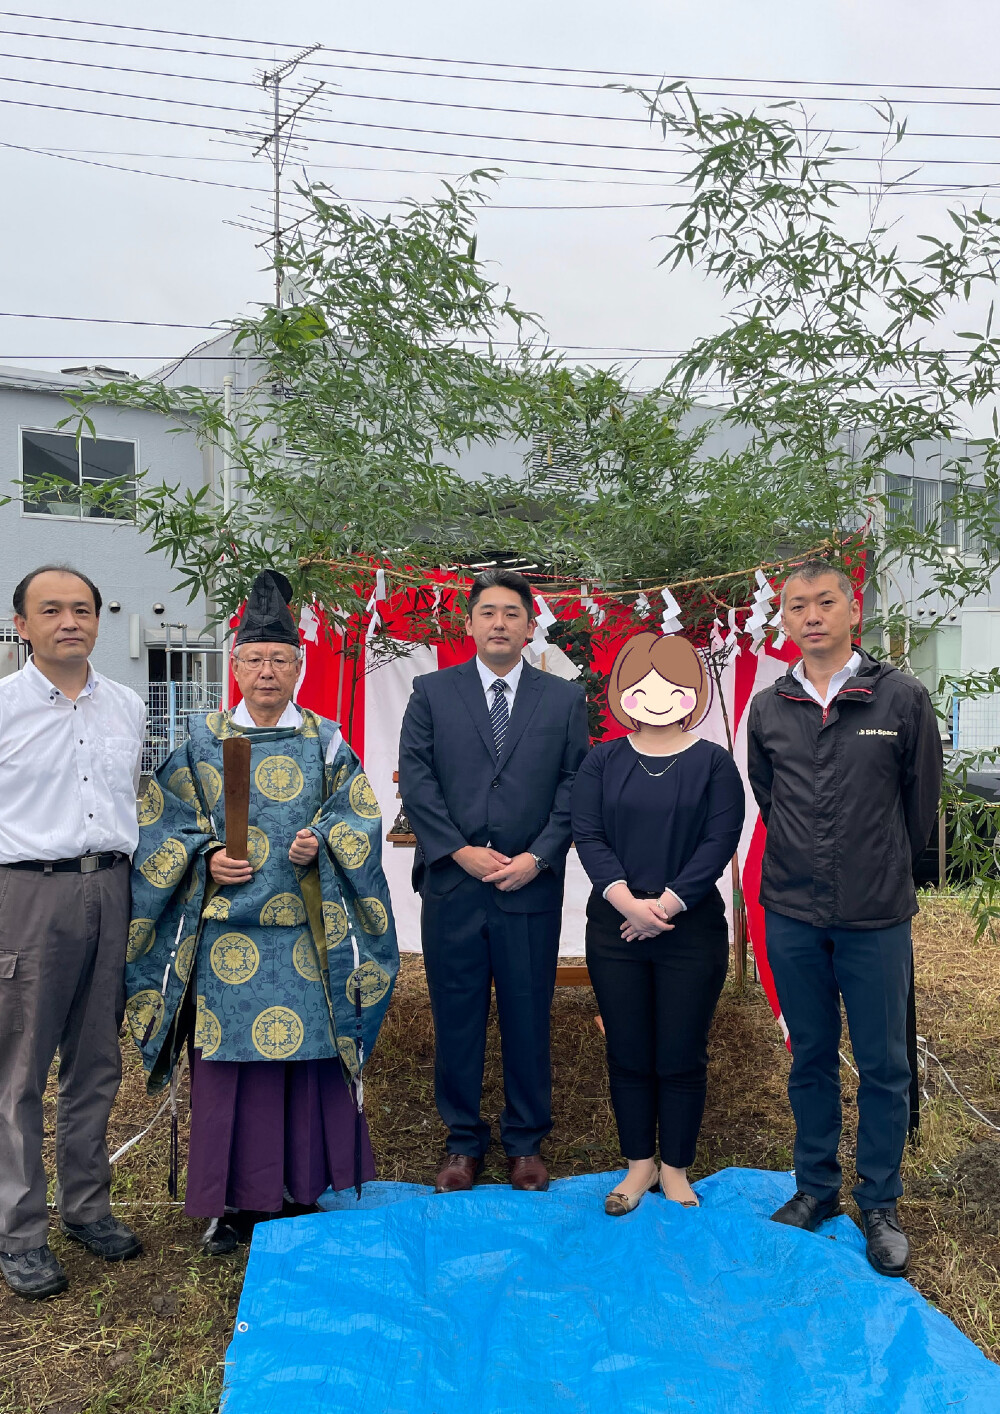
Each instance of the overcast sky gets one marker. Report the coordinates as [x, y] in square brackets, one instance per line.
[83, 240]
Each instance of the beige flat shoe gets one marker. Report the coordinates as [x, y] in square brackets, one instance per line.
[618, 1204]
[681, 1203]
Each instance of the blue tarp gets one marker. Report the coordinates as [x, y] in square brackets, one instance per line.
[496, 1302]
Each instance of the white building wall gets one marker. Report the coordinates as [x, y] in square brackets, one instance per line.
[117, 557]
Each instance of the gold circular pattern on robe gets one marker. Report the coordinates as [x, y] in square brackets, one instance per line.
[309, 725]
[150, 806]
[165, 866]
[181, 783]
[348, 1053]
[374, 982]
[211, 783]
[141, 937]
[258, 848]
[278, 1032]
[279, 778]
[335, 923]
[219, 725]
[372, 916]
[185, 956]
[217, 908]
[341, 776]
[283, 911]
[207, 1030]
[141, 1009]
[362, 799]
[304, 958]
[350, 847]
[234, 958]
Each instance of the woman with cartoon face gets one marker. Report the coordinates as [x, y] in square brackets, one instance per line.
[657, 816]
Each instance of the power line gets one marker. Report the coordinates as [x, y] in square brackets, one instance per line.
[492, 137]
[491, 63]
[490, 108]
[85, 319]
[549, 346]
[878, 88]
[900, 189]
[135, 171]
[123, 69]
[131, 44]
[468, 156]
[450, 133]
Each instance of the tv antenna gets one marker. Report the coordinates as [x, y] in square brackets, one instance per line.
[273, 79]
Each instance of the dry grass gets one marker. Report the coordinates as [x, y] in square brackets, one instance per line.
[150, 1336]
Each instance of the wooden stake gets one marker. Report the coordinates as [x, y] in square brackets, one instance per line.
[739, 929]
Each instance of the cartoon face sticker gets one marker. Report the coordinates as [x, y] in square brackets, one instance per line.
[658, 680]
[658, 701]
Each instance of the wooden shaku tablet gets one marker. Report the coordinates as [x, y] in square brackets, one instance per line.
[236, 778]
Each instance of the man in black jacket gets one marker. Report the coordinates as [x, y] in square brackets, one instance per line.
[844, 758]
[487, 757]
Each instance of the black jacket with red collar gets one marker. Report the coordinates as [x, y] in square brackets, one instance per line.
[849, 794]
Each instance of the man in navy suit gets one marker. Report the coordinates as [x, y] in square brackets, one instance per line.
[487, 756]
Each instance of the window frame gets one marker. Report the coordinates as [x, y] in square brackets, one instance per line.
[133, 442]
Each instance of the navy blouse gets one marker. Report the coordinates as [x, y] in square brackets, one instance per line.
[677, 831]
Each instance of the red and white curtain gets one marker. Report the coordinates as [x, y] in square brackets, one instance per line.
[367, 692]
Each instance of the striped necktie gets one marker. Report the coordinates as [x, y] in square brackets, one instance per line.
[499, 715]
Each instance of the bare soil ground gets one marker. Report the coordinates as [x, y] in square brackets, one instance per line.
[151, 1335]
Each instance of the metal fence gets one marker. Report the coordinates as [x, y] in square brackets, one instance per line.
[975, 722]
[169, 705]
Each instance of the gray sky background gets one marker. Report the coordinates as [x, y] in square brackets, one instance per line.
[83, 240]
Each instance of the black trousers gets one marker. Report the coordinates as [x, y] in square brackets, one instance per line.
[871, 969]
[469, 942]
[657, 999]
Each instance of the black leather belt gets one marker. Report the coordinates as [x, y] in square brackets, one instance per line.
[88, 864]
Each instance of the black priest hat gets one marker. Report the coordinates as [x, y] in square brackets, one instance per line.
[267, 618]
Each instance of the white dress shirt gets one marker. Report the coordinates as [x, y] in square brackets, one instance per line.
[488, 677]
[842, 675]
[69, 771]
[290, 717]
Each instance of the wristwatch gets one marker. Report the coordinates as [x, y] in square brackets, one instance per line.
[540, 863]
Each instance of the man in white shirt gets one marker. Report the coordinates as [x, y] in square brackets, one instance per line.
[70, 757]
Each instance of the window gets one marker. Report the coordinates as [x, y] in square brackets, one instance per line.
[554, 465]
[951, 532]
[926, 502]
[898, 493]
[62, 477]
[13, 653]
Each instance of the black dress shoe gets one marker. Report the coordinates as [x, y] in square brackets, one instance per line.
[804, 1211]
[220, 1238]
[225, 1234]
[107, 1238]
[33, 1275]
[291, 1209]
[886, 1247]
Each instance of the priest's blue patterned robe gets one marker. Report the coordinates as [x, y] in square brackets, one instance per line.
[267, 970]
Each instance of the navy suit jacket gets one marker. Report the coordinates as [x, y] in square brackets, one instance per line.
[455, 792]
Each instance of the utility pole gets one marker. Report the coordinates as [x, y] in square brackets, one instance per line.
[272, 79]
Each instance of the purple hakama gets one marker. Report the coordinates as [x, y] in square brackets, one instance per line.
[261, 1127]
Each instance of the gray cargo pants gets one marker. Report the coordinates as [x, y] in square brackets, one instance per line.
[62, 987]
